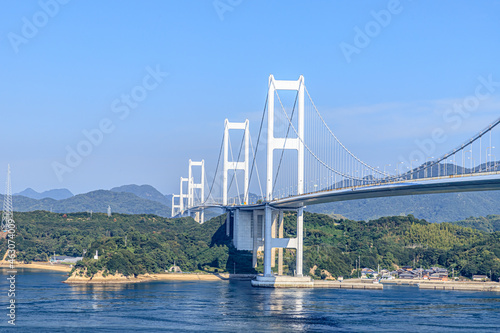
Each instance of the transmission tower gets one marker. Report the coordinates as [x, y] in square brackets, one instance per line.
[7, 215]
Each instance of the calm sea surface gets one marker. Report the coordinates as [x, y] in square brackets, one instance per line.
[44, 304]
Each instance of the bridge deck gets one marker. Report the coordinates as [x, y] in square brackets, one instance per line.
[449, 184]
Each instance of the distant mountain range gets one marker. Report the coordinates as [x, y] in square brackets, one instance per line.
[57, 194]
[128, 199]
[147, 192]
[142, 199]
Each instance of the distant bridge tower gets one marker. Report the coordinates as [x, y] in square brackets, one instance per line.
[182, 196]
[235, 165]
[192, 186]
[175, 208]
[7, 215]
[179, 208]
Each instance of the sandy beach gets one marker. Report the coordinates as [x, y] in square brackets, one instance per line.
[43, 266]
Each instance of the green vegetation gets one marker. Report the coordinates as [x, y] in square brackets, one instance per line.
[490, 223]
[135, 244]
[392, 242]
[128, 244]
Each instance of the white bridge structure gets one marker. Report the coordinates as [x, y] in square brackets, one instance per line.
[307, 164]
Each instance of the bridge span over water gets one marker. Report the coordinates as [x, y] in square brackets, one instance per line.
[306, 164]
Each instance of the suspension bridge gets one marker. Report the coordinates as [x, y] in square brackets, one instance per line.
[306, 164]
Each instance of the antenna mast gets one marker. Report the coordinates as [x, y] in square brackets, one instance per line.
[7, 215]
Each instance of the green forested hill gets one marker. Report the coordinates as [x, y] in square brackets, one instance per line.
[144, 191]
[397, 241]
[134, 244]
[490, 223]
[96, 201]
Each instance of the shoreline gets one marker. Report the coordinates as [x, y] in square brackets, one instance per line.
[447, 285]
[41, 266]
[346, 284]
[119, 279]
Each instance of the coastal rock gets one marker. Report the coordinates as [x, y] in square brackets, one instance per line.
[99, 278]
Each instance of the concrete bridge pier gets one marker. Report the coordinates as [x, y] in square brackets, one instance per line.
[277, 232]
[228, 222]
[268, 223]
[273, 219]
[199, 216]
[300, 241]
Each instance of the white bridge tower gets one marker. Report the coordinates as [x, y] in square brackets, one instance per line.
[235, 165]
[274, 143]
[179, 209]
[192, 186]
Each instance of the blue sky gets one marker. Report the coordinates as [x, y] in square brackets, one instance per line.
[63, 77]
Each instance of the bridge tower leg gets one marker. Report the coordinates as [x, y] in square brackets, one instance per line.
[236, 219]
[235, 165]
[182, 196]
[300, 240]
[280, 250]
[274, 216]
[228, 223]
[267, 241]
[257, 231]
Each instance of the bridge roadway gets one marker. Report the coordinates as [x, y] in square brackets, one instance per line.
[489, 181]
